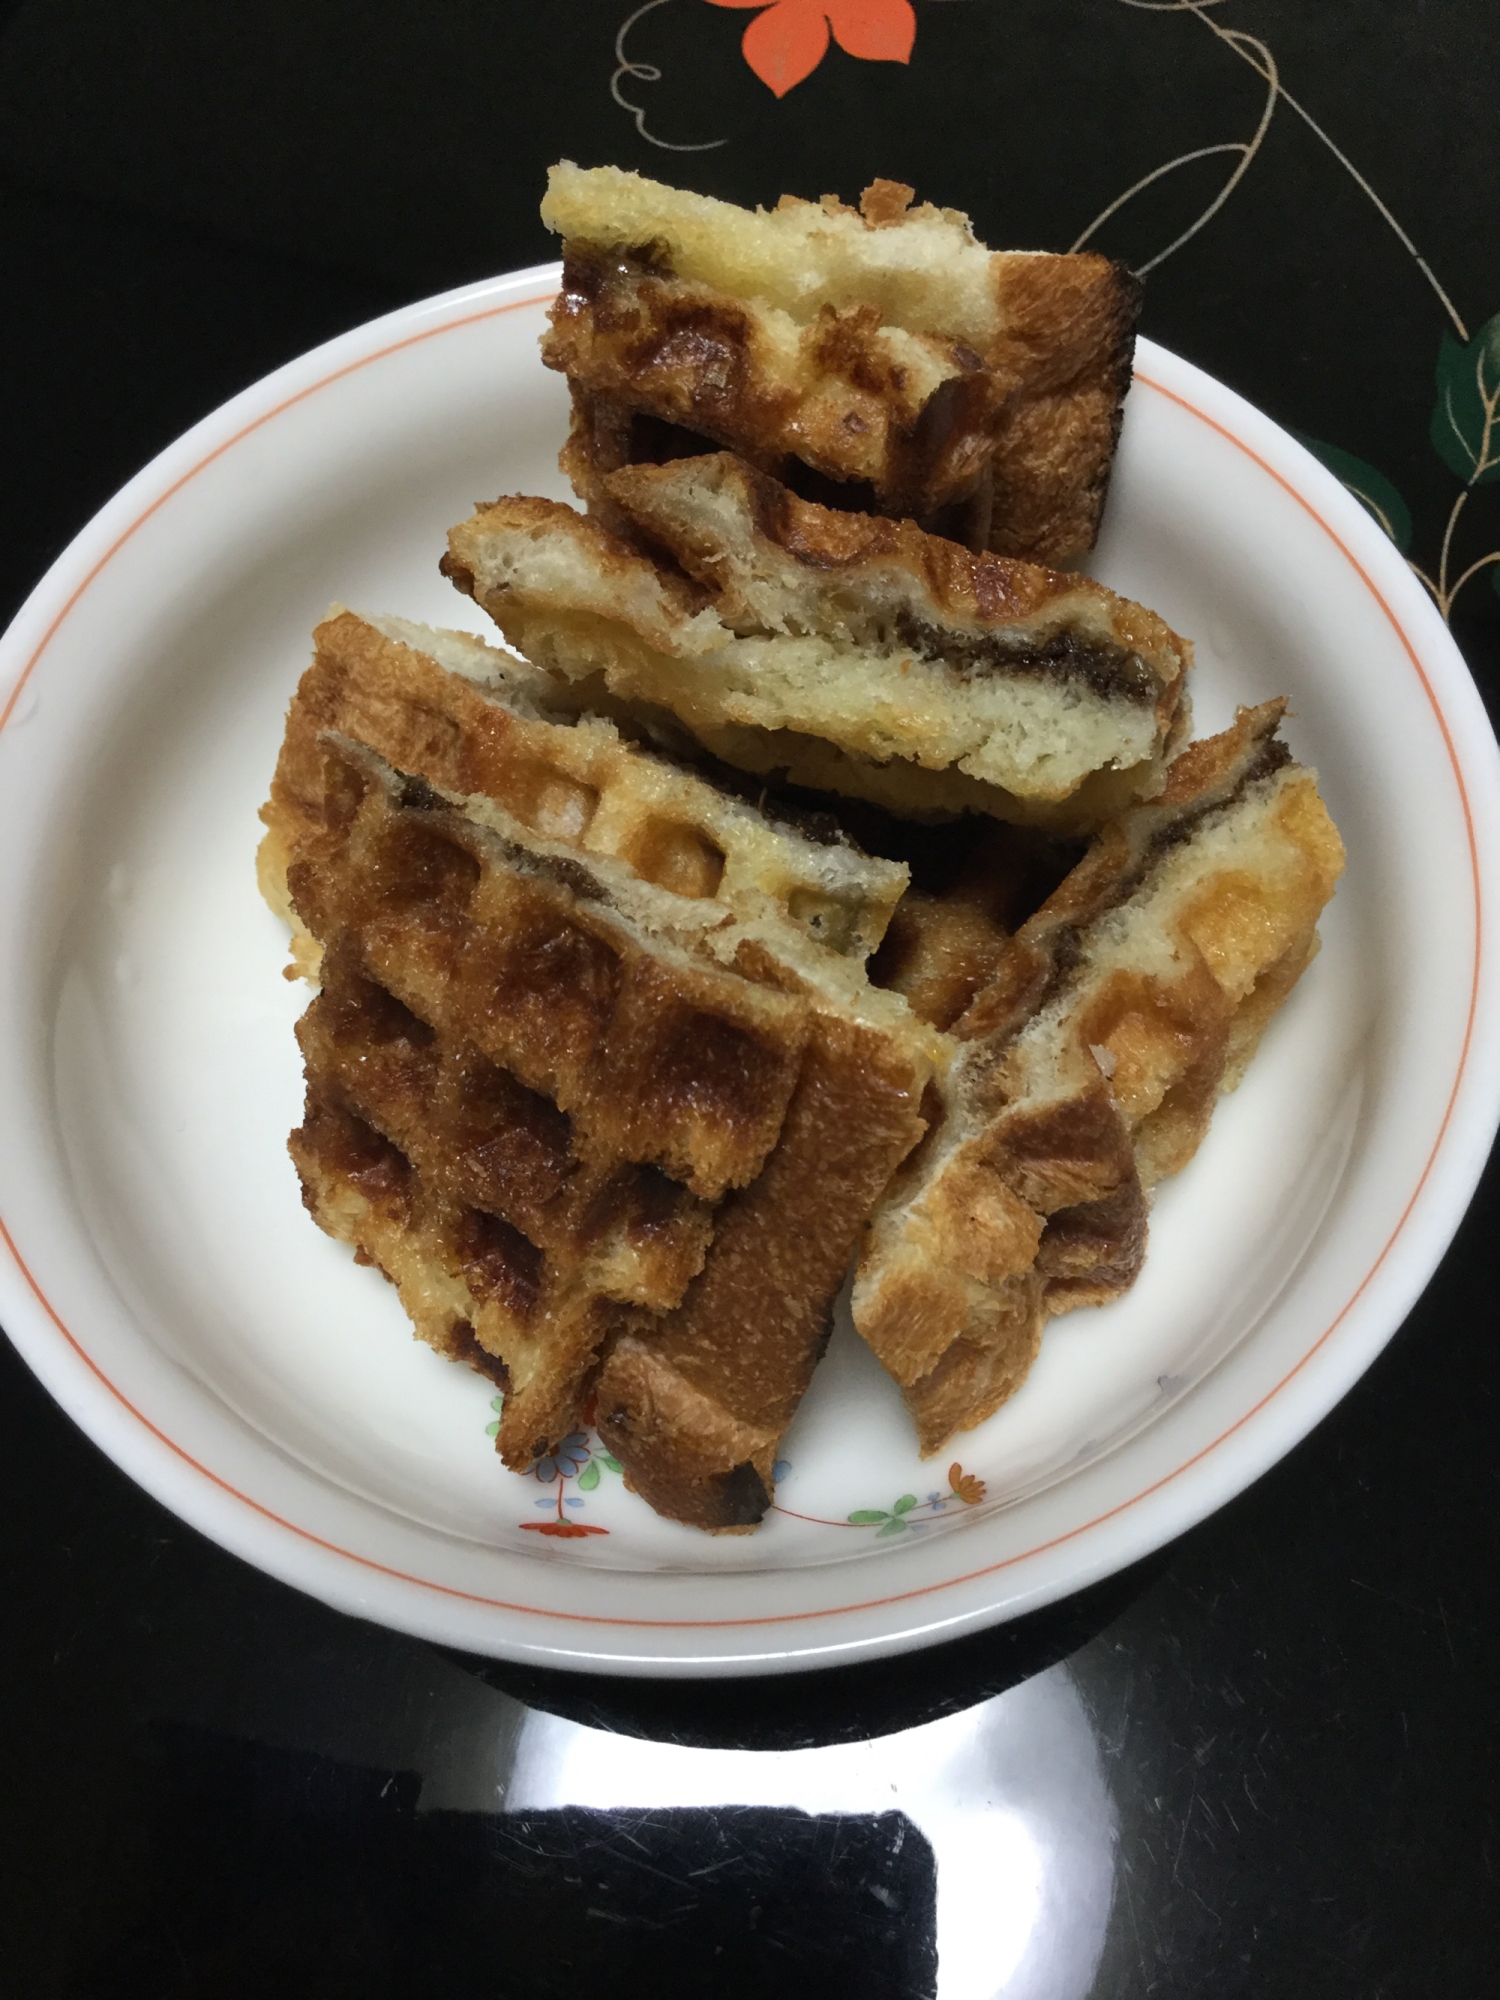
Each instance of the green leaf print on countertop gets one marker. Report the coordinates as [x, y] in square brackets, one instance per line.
[1370, 488]
[1466, 422]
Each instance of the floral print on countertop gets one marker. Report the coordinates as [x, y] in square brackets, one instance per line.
[1465, 434]
[789, 38]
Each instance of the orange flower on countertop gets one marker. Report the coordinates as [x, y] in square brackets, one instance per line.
[968, 1488]
[788, 39]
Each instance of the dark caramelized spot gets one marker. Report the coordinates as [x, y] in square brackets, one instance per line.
[344, 789]
[741, 1498]
[656, 1206]
[457, 572]
[514, 1143]
[463, 1346]
[718, 1069]
[1096, 1243]
[420, 868]
[498, 1262]
[354, 1150]
[557, 961]
[354, 1010]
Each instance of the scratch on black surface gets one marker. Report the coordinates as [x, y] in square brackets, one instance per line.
[1134, 1921]
[1186, 1817]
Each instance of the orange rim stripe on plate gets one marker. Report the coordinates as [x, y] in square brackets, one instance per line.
[922, 1590]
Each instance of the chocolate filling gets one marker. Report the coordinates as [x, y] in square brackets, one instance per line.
[1064, 945]
[1108, 670]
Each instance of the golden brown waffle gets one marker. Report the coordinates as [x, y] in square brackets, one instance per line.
[1088, 1067]
[841, 652]
[532, 1083]
[948, 936]
[481, 723]
[881, 354]
[695, 1403]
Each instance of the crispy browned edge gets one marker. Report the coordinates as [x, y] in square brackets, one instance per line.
[1048, 1210]
[743, 1343]
[695, 1405]
[1012, 451]
[966, 589]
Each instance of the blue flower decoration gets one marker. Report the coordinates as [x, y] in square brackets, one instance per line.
[571, 1456]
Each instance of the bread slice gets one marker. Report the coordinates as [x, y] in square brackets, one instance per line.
[560, 1101]
[881, 354]
[838, 651]
[1088, 1069]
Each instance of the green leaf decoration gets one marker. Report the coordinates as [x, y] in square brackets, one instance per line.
[868, 1516]
[604, 1458]
[492, 1430]
[1466, 420]
[588, 1479]
[497, 1402]
[1371, 489]
[894, 1526]
[905, 1504]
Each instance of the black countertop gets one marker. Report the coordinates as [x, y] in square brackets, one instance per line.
[1260, 1764]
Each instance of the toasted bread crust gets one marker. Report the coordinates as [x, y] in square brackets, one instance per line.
[535, 1076]
[856, 655]
[695, 1405]
[486, 726]
[1089, 1067]
[977, 392]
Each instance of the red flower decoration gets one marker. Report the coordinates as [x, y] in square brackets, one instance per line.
[966, 1485]
[569, 1528]
[787, 41]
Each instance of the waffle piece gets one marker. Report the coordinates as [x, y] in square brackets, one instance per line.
[475, 1290]
[476, 722]
[881, 356]
[535, 1062]
[694, 1404]
[845, 653]
[948, 937]
[534, 1075]
[1088, 1069]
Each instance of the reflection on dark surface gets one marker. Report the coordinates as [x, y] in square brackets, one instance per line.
[1010, 1797]
[271, 1870]
[969, 1858]
[835, 1704]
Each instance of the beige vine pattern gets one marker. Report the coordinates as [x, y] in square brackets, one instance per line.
[1465, 429]
[1466, 424]
[644, 72]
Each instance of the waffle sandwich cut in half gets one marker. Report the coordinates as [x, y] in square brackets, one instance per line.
[838, 651]
[1087, 1068]
[594, 1075]
[880, 357]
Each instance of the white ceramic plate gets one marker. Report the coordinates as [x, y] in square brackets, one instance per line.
[162, 1279]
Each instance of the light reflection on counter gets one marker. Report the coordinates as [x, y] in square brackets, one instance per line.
[1011, 1795]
